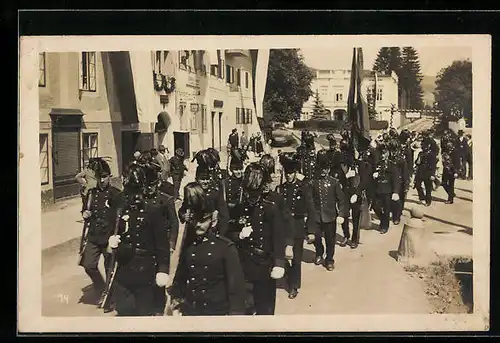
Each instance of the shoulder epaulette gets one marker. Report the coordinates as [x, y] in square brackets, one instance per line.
[224, 239]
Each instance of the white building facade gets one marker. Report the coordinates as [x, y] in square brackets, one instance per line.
[332, 87]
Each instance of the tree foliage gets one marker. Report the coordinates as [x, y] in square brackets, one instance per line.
[405, 63]
[288, 85]
[453, 92]
[411, 77]
[319, 110]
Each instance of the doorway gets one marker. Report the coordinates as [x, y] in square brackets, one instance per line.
[181, 141]
[220, 130]
[213, 129]
[130, 140]
[66, 161]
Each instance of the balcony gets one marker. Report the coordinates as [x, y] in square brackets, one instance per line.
[237, 52]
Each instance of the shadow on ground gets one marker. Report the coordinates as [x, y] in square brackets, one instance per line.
[90, 296]
[394, 254]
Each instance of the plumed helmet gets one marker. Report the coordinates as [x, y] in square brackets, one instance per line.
[290, 162]
[393, 133]
[322, 159]
[345, 134]
[214, 156]
[135, 179]
[253, 177]
[344, 145]
[237, 158]
[309, 140]
[101, 167]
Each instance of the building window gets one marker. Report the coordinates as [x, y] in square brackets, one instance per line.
[204, 118]
[214, 70]
[182, 120]
[248, 116]
[88, 72]
[160, 57]
[246, 79]
[379, 94]
[41, 69]
[89, 147]
[323, 90]
[338, 97]
[238, 77]
[229, 74]
[243, 116]
[194, 120]
[238, 117]
[44, 158]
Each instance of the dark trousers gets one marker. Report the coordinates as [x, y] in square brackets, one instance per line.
[294, 271]
[160, 299]
[449, 184]
[176, 180]
[90, 260]
[329, 230]
[469, 163]
[463, 167]
[356, 212]
[134, 301]
[427, 196]
[398, 206]
[382, 208]
[264, 296]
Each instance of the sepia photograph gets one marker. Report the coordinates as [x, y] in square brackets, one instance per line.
[258, 182]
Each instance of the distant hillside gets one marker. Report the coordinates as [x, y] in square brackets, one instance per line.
[428, 86]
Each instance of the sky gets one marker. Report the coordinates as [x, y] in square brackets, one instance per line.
[432, 59]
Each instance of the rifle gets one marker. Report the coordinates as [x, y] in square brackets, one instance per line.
[85, 230]
[110, 277]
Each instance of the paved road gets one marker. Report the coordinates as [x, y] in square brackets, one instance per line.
[366, 280]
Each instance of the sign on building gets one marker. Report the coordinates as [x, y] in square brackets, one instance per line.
[412, 114]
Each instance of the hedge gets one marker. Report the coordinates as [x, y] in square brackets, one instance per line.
[335, 125]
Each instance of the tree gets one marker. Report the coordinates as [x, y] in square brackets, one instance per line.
[319, 110]
[453, 92]
[388, 60]
[410, 77]
[288, 85]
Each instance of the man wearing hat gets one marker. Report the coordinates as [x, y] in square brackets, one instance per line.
[331, 208]
[233, 188]
[177, 169]
[308, 157]
[162, 160]
[142, 247]
[100, 213]
[299, 202]
[215, 191]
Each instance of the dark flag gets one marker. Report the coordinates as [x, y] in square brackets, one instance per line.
[357, 106]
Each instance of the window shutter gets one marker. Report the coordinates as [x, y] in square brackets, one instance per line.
[237, 115]
[80, 70]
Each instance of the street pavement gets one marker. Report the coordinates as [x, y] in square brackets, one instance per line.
[367, 280]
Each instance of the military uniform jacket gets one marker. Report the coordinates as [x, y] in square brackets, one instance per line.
[167, 205]
[365, 170]
[298, 200]
[233, 195]
[286, 216]
[328, 195]
[210, 278]
[425, 165]
[389, 179]
[144, 249]
[451, 162]
[265, 247]
[103, 213]
[309, 163]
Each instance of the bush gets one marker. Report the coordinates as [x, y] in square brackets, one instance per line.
[335, 125]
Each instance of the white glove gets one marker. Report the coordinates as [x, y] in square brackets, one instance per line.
[113, 241]
[162, 279]
[310, 238]
[247, 230]
[432, 178]
[395, 197]
[277, 272]
[340, 220]
[350, 174]
[354, 198]
[455, 175]
[375, 175]
[86, 214]
[289, 252]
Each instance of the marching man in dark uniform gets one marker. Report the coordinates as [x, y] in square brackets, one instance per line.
[233, 188]
[142, 250]
[346, 172]
[298, 200]
[177, 171]
[260, 241]
[308, 157]
[331, 208]
[100, 211]
[387, 187]
[404, 158]
[397, 160]
[451, 167]
[425, 166]
[209, 280]
[333, 153]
